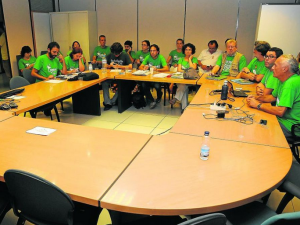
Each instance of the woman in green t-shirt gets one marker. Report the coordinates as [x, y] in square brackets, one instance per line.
[184, 63]
[27, 61]
[74, 61]
[76, 45]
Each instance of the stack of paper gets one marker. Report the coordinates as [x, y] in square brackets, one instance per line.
[161, 75]
[141, 73]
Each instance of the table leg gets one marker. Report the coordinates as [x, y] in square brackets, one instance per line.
[124, 94]
[87, 101]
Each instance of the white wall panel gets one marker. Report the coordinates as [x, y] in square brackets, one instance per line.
[117, 20]
[41, 31]
[210, 20]
[18, 28]
[161, 22]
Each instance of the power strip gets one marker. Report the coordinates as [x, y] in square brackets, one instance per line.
[216, 107]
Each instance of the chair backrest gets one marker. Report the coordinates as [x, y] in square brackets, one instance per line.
[37, 200]
[210, 219]
[17, 82]
[18, 57]
[284, 219]
[28, 77]
[44, 52]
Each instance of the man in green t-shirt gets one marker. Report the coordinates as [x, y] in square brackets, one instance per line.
[128, 50]
[176, 54]
[158, 63]
[256, 69]
[100, 52]
[231, 62]
[287, 95]
[141, 55]
[47, 66]
[269, 82]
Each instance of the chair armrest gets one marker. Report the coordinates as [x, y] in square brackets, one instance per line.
[295, 127]
[291, 188]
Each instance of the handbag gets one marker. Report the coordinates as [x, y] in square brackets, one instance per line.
[190, 74]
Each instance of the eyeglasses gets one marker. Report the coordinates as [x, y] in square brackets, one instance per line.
[270, 57]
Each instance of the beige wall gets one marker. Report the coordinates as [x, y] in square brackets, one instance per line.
[18, 28]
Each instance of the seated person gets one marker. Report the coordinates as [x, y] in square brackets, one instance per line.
[100, 52]
[175, 55]
[141, 55]
[74, 61]
[27, 61]
[128, 50]
[208, 57]
[119, 60]
[76, 45]
[47, 66]
[188, 61]
[256, 69]
[286, 96]
[159, 64]
[269, 82]
[231, 62]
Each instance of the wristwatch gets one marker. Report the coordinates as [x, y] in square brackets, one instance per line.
[259, 105]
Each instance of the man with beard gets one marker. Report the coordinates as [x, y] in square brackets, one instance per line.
[231, 62]
[269, 82]
[47, 66]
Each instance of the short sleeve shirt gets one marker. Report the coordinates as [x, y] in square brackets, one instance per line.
[123, 59]
[270, 81]
[25, 63]
[176, 56]
[288, 95]
[228, 62]
[159, 62]
[132, 54]
[100, 52]
[141, 55]
[185, 64]
[70, 64]
[46, 66]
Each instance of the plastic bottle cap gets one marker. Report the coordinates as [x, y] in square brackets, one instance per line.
[206, 133]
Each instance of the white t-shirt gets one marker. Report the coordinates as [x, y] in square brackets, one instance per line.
[209, 59]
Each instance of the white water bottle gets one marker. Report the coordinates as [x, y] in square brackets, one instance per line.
[104, 64]
[205, 146]
[90, 67]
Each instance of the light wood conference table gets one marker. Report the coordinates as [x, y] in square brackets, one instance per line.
[4, 115]
[82, 161]
[169, 178]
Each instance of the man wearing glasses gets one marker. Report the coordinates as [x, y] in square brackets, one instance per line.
[141, 55]
[208, 57]
[269, 82]
[231, 62]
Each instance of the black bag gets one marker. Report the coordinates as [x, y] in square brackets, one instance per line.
[137, 98]
[88, 76]
[190, 74]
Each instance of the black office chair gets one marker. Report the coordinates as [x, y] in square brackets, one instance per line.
[4, 201]
[258, 213]
[40, 202]
[28, 77]
[17, 82]
[44, 52]
[18, 57]
[295, 142]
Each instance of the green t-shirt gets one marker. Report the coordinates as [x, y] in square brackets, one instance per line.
[176, 56]
[257, 67]
[228, 62]
[70, 64]
[132, 54]
[270, 81]
[288, 95]
[101, 52]
[159, 62]
[141, 55]
[25, 63]
[46, 66]
[185, 64]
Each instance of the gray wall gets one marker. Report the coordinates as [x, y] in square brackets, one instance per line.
[162, 21]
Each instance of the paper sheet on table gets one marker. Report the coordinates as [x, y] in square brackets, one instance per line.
[162, 75]
[115, 70]
[41, 131]
[54, 81]
[16, 97]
